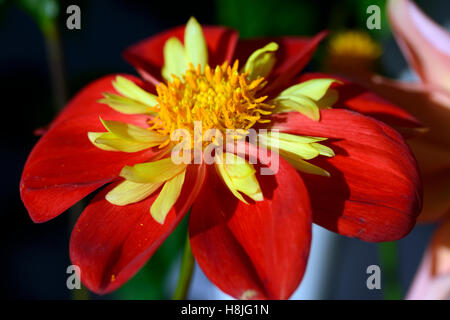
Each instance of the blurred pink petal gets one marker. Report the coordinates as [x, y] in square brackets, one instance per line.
[427, 287]
[424, 43]
[440, 249]
[432, 280]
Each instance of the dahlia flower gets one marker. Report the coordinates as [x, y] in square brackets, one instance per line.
[315, 160]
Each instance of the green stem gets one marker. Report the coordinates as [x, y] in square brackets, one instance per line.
[55, 60]
[186, 270]
[389, 267]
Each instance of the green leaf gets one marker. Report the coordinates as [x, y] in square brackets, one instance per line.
[274, 18]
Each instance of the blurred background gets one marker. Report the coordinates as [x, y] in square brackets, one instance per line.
[35, 42]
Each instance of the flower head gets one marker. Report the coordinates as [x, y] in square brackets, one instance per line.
[252, 201]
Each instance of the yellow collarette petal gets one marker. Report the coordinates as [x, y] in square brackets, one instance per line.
[167, 197]
[134, 133]
[130, 192]
[314, 89]
[238, 175]
[302, 165]
[249, 186]
[126, 105]
[305, 147]
[307, 98]
[295, 149]
[152, 172]
[306, 151]
[93, 137]
[195, 44]
[227, 180]
[293, 137]
[261, 62]
[329, 99]
[302, 104]
[175, 60]
[324, 150]
[131, 90]
[110, 142]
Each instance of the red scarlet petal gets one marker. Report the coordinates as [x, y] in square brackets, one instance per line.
[255, 251]
[84, 103]
[147, 55]
[292, 56]
[432, 148]
[374, 192]
[434, 164]
[111, 243]
[355, 97]
[64, 166]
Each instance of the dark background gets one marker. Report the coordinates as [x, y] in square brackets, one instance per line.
[34, 257]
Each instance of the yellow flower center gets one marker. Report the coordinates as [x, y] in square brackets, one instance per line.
[221, 99]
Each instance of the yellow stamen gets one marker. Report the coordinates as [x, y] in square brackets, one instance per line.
[221, 99]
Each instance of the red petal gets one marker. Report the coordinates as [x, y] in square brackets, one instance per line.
[111, 243]
[85, 103]
[256, 251]
[292, 56]
[432, 148]
[64, 166]
[434, 163]
[147, 55]
[355, 97]
[374, 192]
